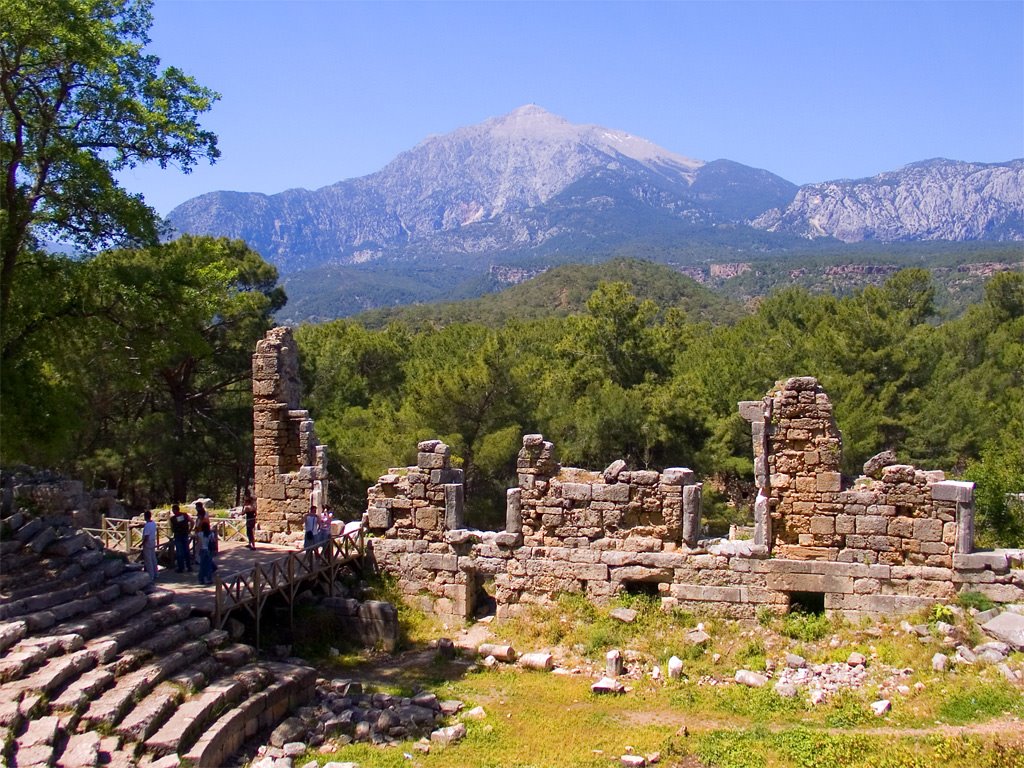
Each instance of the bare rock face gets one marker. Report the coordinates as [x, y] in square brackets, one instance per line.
[931, 200]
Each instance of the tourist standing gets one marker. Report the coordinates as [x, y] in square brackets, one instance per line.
[200, 519]
[206, 539]
[181, 528]
[249, 509]
[149, 545]
[309, 526]
[323, 525]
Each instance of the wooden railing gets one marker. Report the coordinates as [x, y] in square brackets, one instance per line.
[285, 575]
[125, 535]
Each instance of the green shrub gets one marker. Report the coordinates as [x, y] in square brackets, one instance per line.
[976, 600]
[806, 627]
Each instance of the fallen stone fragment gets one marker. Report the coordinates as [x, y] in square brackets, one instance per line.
[541, 661]
[294, 748]
[817, 697]
[940, 662]
[613, 663]
[964, 655]
[450, 707]
[1007, 627]
[447, 736]
[625, 615]
[856, 659]
[504, 653]
[633, 761]
[653, 758]
[697, 636]
[750, 679]
[291, 729]
[785, 690]
[476, 713]
[881, 707]
[793, 661]
[675, 668]
[608, 685]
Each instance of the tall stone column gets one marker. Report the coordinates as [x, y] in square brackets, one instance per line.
[290, 469]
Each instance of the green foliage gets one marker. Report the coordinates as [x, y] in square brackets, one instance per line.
[83, 101]
[142, 361]
[940, 612]
[976, 600]
[806, 627]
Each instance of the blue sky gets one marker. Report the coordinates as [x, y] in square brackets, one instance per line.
[317, 92]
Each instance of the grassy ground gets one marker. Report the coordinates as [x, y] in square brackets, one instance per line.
[970, 718]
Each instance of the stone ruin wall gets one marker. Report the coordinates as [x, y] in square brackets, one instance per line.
[289, 467]
[888, 543]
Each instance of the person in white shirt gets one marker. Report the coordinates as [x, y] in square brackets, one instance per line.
[149, 545]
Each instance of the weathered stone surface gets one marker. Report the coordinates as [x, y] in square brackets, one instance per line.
[750, 679]
[539, 661]
[625, 615]
[607, 685]
[1007, 627]
[444, 737]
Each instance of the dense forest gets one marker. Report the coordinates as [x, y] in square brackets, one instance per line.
[657, 382]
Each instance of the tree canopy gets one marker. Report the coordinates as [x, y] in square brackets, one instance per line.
[82, 101]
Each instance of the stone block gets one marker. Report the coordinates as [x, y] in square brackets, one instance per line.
[927, 529]
[829, 481]
[872, 524]
[577, 491]
[953, 490]
[430, 460]
[809, 582]
[617, 493]
[823, 525]
[902, 527]
[980, 561]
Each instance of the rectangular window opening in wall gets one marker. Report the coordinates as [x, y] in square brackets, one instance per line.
[648, 588]
[807, 602]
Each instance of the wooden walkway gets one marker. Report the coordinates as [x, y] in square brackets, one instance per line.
[245, 579]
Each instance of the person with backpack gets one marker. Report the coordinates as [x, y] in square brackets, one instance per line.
[181, 529]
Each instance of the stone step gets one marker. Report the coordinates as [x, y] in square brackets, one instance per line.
[37, 745]
[11, 632]
[133, 581]
[192, 717]
[82, 751]
[150, 713]
[113, 705]
[16, 664]
[235, 654]
[292, 686]
[107, 618]
[76, 696]
[160, 597]
[56, 673]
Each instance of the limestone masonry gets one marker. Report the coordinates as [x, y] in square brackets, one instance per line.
[290, 468]
[891, 541]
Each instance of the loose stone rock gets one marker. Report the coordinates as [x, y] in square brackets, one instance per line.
[1007, 627]
[856, 659]
[476, 713]
[793, 661]
[504, 653]
[625, 615]
[881, 707]
[675, 668]
[750, 679]
[447, 736]
[940, 662]
[633, 761]
[608, 685]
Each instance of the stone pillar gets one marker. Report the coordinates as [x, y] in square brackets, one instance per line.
[514, 510]
[692, 503]
[762, 522]
[453, 506]
[962, 493]
[289, 466]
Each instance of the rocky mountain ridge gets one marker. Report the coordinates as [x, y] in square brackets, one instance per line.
[931, 200]
[522, 181]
